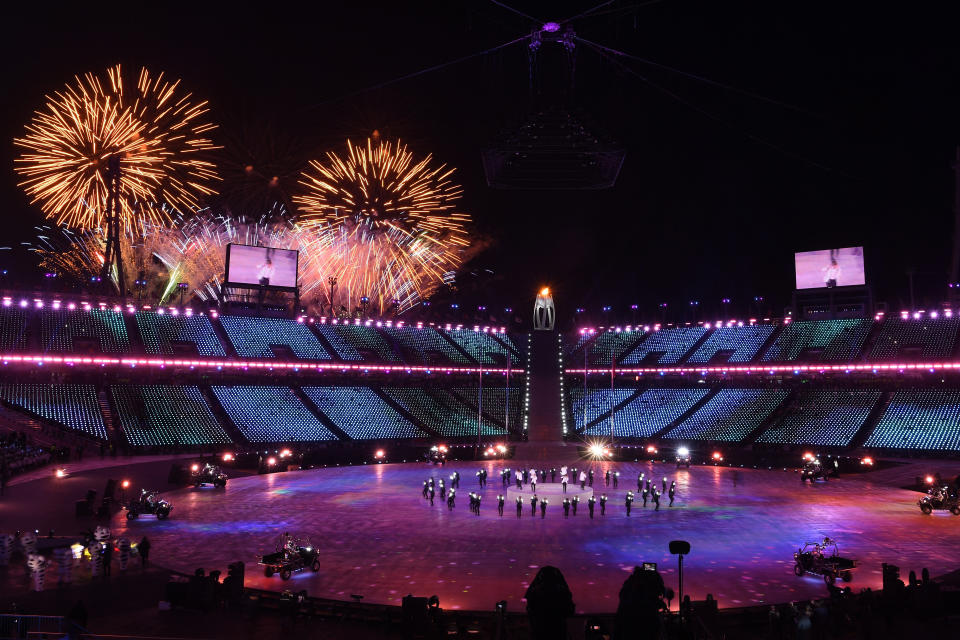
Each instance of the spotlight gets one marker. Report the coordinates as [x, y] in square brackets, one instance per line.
[286, 453]
[271, 461]
[60, 473]
[195, 467]
[651, 449]
[717, 456]
[227, 457]
[683, 452]
[379, 454]
[929, 479]
[808, 456]
[125, 484]
[868, 461]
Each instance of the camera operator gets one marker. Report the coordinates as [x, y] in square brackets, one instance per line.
[641, 598]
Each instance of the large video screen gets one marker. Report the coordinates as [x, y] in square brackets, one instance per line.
[830, 268]
[264, 266]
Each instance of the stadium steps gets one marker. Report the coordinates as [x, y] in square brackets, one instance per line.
[876, 328]
[775, 417]
[517, 359]
[686, 414]
[106, 411]
[472, 406]
[224, 339]
[15, 419]
[693, 349]
[454, 404]
[762, 351]
[871, 422]
[322, 339]
[606, 415]
[137, 345]
[633, 345]
[458, 347]
[220, 413]
[403, 412]
[318, 414]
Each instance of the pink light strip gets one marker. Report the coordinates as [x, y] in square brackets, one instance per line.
[931, 367]
[241, 364]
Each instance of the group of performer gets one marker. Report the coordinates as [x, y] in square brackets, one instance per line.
[647, 490]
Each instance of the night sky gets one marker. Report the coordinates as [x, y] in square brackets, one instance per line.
[706, 206]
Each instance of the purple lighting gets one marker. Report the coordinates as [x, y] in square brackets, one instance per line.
[551, 27]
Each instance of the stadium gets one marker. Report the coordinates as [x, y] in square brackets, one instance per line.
[305, 381]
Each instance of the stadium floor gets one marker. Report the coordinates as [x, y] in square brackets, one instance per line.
[380, 539]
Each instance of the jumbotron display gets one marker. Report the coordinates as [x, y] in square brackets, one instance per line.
[261, 266]
[830, 268]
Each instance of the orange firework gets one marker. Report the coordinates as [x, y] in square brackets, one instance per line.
[388, 218]
[157, 131]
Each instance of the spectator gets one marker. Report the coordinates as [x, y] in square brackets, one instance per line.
[549, 603]
[144, 549]
[641, 598]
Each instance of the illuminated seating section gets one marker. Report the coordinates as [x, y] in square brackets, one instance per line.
[343, 349]
[650, 412]
[674, 343]
[160, 331]
[936, 338]
[449, 419]
[495, 403]
[837, 340]
[271, 414]
[166, 415]
[13, 330]
[481, 347]
[356, 342]
[426, 346]
[823, 417]
[75, 406]
[743, 341]
[361, 413]
[609, 345]
[517, 344]
[919, 419]
[59, 330]
[729, 416]
[596, 403]
[252, 337]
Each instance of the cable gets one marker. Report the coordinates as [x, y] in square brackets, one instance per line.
[702, 79]
[625, 9]
[421, 72]
[713, 116]
[516, 11]
[588, 11]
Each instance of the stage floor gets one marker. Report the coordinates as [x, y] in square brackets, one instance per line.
[380, 539]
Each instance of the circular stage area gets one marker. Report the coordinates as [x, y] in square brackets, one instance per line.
[379, 538]
[552, 492]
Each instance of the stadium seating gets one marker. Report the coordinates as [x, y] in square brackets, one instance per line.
[166, 415]
[930, 339]
[920, 419]
[252, 337]
[835, 340]
[495, 403]
[365, 340]
[450, 420]
[14, 336]
[270, 414]
[668, 346]
[823, 417]
[481, 347]
[743, 343]
[596, 403]
[425, 346]
[609, 345]
[75, 406]
[572, 347]
[361, 413]
[60, 330]
[161, 331]
[650, 412]
[729, 416]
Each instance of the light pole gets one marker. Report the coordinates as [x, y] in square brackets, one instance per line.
[182, 286]
[332, 281]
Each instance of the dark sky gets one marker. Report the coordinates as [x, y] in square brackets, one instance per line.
[702, 209]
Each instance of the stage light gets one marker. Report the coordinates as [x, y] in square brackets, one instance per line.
[651, 449]
[808, 456]
[286, 453]
[683, 452]
[195, 467]
[442, 448]
[718, 456]
[502, 448]
[125, 484]
[271, 461]
[227, 457]
[61, 473]
[379, 454]
[867, 461]
[929, 479]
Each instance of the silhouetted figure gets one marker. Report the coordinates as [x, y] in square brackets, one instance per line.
[590, 478]
[549, 604]
[606, 478]
[603, 505]
[533, 506]
[641, 599]
[673, 492]
[628, 502]
[500, 500]
[574, 503]
[520, 507]
[616, 479]
[590, 504]
[543, 509]
[566, 507]
[144, 550]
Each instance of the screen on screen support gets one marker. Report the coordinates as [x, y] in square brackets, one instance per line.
[830, 268]
[263, 266]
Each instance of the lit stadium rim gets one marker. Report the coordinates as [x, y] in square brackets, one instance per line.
[780, 368]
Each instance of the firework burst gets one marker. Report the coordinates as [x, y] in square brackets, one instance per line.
[387, 228]
[158, 132]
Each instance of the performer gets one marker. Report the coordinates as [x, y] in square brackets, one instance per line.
[574, 503]
[583, 480]
[500, 505]
[426, 489]
[673, 491]
[563, 471]
[431, 495]
[543, 509]
[592, 501]
[646, 494]
[519, 477]
[603, 505]
[590, 478]
[566, 507]
[443, 490]
[664, 490]
[456, 480]
[543, 475]
[504, 477]
[656, 499]
[520, 507]
[478, 504]
[553, 475]
[628, 501]
[533, 505]
[606, 478]
[451, 499]
[616, 479]
[563, 481]
[533, 482]
[480, 478]
[639, 483]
